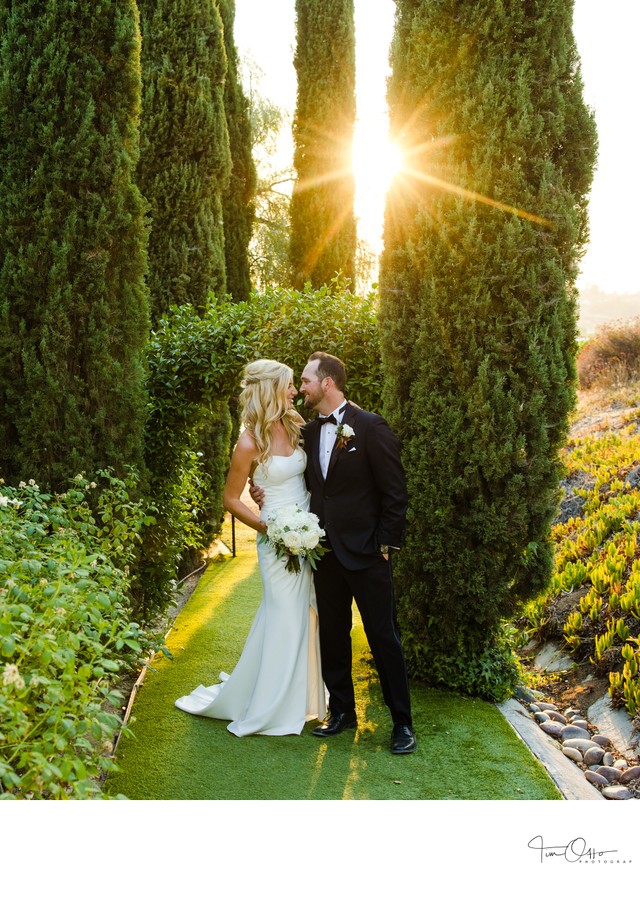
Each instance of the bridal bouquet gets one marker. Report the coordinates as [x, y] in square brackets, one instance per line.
[294, 534]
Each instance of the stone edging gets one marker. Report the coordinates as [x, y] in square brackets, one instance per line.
[568, 779]
[562, 742]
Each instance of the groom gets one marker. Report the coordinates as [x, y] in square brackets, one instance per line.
[358, 491]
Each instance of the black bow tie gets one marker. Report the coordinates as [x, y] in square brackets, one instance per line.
[330, 419]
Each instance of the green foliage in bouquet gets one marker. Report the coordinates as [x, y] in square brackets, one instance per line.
[73, 302]
[66, 632]
[483, 233]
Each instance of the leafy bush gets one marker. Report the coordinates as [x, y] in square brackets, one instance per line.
[65, 632]
[611, 357]
[207, 475]
[333, 319]
[490, 672]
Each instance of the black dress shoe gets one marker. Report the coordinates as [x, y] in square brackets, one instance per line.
[403, 741]
[336, 723]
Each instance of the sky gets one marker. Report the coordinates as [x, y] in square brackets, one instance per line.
[606, 35]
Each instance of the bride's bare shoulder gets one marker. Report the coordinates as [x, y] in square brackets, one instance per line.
[245, 456]
[247, 443]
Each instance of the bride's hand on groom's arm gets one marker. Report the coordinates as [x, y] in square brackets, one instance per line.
[256, 493]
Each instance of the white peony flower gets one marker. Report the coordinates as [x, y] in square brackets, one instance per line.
[275, 532]
[293, 541]
[290, 518]
[310, 540]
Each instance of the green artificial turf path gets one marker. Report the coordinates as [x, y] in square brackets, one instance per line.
[466, 748]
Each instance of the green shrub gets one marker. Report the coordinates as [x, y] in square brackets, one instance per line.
[207, 475]
[492, 672]
[611, 357]
[295, 323]
[66, 633]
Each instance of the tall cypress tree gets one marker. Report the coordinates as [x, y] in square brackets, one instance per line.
[323, 230]
[184, 173]
[184, 149]
[238, 199]
[73, 304]
[482, 238]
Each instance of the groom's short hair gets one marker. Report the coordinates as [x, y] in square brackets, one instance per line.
[330, 366]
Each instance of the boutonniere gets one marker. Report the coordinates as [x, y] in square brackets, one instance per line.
[344, 433]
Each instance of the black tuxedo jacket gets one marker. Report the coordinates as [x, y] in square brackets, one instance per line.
[362, 504]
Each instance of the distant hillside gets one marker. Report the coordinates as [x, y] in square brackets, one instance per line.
[598, 307]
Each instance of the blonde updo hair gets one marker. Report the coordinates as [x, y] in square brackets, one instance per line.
[265, 401]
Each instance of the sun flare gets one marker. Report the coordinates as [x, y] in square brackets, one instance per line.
[376, 161]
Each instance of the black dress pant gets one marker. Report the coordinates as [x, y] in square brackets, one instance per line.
[372, 590]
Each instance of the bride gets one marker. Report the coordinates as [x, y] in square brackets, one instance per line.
[277, 683]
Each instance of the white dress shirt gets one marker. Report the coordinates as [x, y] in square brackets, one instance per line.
[328, 433]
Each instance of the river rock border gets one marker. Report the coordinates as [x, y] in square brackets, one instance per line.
[589, 750]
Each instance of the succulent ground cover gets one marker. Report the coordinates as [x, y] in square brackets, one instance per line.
[592, 606]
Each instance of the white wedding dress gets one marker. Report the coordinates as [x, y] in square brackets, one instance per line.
[277, 684]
